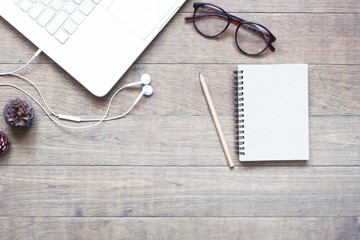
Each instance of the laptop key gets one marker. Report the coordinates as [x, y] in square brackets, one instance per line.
[86, 7]
[57, 4]
[70, 7]
[57, 22]
[25, 5]
[61, 36]
[35, 11]
[78, 17]
[45, 18]
[70, 26]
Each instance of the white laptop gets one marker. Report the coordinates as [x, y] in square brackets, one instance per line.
[95, 41]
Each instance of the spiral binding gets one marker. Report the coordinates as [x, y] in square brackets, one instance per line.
[239, 111]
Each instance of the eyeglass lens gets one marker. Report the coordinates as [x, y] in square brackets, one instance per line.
[211, 21]
[250, 38]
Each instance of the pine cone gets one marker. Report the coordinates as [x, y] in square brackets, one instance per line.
[19, 113]
[4, 143]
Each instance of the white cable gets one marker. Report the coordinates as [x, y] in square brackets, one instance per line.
[36, 101]
[20, 68]
[50, 114]
[72, 118]
[37, 89]
[69, 117]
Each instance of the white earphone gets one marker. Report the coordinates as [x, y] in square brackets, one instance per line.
[146, 90]
[145, 80]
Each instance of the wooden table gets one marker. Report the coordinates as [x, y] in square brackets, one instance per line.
[160, 172]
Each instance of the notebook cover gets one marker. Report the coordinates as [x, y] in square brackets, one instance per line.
[272, 112]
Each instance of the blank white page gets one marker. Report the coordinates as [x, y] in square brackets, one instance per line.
[276, 117]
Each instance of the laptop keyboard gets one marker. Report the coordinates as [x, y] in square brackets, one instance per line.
[60, 18]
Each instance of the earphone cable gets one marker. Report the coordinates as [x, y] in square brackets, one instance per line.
[37, 53]
[50, 113]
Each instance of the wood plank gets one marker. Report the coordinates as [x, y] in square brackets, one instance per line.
[169, 140]
[311, 43]
[321, 39]
[180, 228]
[179, 191]
[333, 90]
[332, 140]
[286, 6]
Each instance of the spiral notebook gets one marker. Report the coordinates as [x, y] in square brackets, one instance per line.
[271, 112]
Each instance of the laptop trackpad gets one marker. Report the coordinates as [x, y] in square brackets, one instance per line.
[140, 17]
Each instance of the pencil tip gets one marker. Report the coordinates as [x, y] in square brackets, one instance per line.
[201, 77]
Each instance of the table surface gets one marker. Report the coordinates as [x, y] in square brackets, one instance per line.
[160, 172]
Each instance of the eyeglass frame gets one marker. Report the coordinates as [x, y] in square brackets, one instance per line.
[236, 21]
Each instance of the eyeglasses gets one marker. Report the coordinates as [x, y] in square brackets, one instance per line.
[211, 21]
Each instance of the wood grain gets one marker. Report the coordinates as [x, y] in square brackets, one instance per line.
[125, 191]
[168, 141]
[317, 39]
[333, 90]
[34, 228]
[160, 173]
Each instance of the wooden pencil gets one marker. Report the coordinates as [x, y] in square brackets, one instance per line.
[216, 121]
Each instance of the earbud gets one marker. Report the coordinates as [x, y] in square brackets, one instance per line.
[145, 80]
[147, 90]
